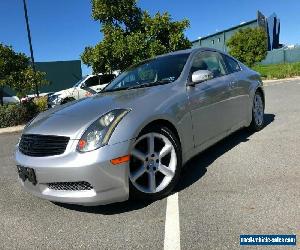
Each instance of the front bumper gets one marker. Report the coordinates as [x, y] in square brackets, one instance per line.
[109, 182]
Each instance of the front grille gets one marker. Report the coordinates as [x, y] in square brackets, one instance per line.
[70, 186]
[43, 145]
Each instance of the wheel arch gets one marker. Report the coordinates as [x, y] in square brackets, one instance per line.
[163, 123]
[261, 91]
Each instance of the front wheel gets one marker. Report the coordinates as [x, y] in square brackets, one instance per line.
[155, 164]
[66, 100]
[257, 122]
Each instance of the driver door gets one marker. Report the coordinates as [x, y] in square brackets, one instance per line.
[209, 100]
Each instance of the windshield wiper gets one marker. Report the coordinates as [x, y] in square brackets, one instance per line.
[112, 90]
[150, 84]
[143, 85]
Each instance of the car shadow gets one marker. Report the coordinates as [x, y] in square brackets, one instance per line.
[198, 165]
[110, 209]
[197, 168]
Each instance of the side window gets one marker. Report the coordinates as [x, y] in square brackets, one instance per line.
[104, 79]
[146, 74]
[92, 81]
[127, 81]
[211, 61]
[232, 65]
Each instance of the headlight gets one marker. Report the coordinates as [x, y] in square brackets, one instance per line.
[99, 132]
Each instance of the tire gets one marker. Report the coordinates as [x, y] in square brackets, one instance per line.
[162, 165]
[66, 100]
[258, 107]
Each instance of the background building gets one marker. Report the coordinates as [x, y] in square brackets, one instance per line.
[60, 74]
[218, 40]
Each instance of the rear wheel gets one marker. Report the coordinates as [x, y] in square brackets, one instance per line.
[155, 164]
[257, 122]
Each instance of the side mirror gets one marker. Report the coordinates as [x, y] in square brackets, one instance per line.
[83, 85]
[201, 76]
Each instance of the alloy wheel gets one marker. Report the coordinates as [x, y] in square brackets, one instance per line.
[153, 163]
[258, 110]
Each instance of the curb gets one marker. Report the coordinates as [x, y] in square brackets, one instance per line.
[12, 129]
[281, 80]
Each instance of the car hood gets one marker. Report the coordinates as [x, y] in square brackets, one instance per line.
[73, 118]
[64, 91]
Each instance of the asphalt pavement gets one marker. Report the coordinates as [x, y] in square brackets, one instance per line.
[245, 184]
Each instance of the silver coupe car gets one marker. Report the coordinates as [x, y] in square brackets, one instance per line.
[132, 139]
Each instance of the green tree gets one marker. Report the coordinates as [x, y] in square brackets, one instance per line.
[24, 81]
[131, 35]
[16, 73]
[249, 45]
[9, 62]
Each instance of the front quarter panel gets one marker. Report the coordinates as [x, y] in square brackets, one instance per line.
[168, 102]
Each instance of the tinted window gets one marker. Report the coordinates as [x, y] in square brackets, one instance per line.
[232, 65]
[79, 82]
[211, 61]
[104, 79]
[92, 81]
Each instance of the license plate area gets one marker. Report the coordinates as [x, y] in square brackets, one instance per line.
[27, 174]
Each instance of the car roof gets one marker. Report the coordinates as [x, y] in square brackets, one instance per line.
[189, 51]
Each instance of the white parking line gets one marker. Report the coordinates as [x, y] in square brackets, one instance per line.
[172, 228]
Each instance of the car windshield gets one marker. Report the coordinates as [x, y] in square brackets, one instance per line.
[80, 81]
[160, 70]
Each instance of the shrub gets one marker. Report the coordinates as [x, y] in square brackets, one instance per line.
[41, 103]
[17, 114]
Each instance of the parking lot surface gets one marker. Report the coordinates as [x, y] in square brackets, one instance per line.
[246, 184]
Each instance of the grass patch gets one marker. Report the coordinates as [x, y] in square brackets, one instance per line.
[278, 71]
